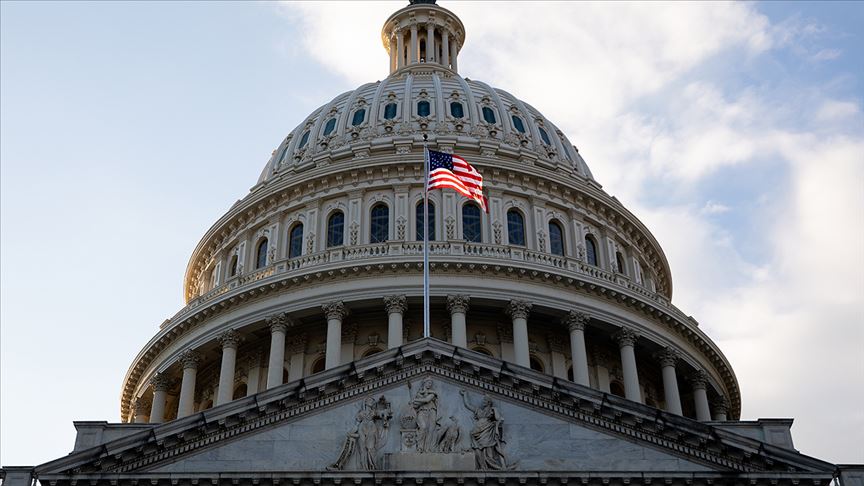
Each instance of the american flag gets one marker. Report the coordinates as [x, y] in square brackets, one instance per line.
[446, 170]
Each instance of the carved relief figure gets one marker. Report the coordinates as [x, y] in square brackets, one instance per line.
[487, 436]
[425, 404]
[370, 435]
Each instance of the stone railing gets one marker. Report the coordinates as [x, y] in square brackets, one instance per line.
[414, 249]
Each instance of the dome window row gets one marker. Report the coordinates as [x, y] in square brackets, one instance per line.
[472, 223]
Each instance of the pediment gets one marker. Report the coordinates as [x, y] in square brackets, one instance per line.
[368, 416]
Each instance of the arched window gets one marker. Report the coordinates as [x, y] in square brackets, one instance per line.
[616, 388]
[422, 108]
[471, 229]
[456, 110]
[232, 267]
[303, 139]
[591, 250]
[371, 351]
[430, 223]
[482, 350]
[536, 364]
[295, 241]
[619, 259]
[544, 136]
[515, 228]
[379, 228]
[335, 229]
[390, 111]
[556, 238]
[261, 254]
[359, 116]
[330, 126]
[318, 365]
[240, 391]
[517, 124]
[488, 115]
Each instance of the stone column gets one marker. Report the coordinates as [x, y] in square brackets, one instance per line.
[601, 363]
[430, 42]
[575, 322]
[518, 311]
[668, 359]
[296, 352]
[412, 56]
[160, 383]
[189, 360]
[395, 305]
[445, 48]
[453, 54]
[721, 407]
[335, 312]
[400, 46]
[142, 409]
[229, 341]
[458, 307]
[626, 339]
[700, 396]
[279, 324]
[253, 372]
[393, 51]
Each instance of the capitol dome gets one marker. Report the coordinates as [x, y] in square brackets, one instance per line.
[553, 354]
[319, 267]
[321, 264]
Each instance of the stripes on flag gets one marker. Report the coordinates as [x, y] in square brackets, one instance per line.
[452, 171]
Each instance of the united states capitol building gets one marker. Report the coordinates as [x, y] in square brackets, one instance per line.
[555, 357]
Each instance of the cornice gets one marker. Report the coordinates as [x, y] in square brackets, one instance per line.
[659, 311]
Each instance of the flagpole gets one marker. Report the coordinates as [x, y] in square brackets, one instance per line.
[426, 330]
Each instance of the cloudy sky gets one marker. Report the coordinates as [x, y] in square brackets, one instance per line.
[734, 131]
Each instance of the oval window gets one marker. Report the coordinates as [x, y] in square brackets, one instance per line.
[359, 115]
[423, 108]
[488, 115]
[330, 126]
[518, 125]
[456, 110]
[390, 111]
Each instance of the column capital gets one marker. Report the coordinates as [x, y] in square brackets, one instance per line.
[190, 359]
[668, 357]
[519, 309]
[458, 303]
[699, 379]
[576, 321]
[142, 406]
[278, 322]
[160, 382]
[335, 310]
[395, 304]
[626, 337]
[229, 339]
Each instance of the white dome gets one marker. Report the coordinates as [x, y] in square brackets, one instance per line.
[361, 117]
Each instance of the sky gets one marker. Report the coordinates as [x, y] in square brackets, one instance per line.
[734, 131]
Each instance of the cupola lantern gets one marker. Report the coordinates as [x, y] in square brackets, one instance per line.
[423, 33]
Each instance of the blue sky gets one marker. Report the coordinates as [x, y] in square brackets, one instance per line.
[734, 131]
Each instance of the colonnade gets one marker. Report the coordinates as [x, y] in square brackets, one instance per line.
[396, 305]
[412, 36]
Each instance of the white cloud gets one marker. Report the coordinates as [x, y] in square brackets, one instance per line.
[712, 207]
[627, 86]
[834, 111]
